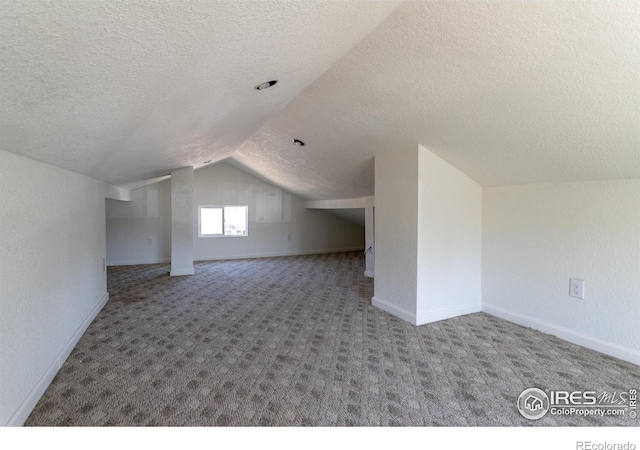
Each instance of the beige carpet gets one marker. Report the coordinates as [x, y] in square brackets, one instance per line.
[292, 341]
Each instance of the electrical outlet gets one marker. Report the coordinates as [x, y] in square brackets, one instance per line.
[576, 288]
[149, 241]
[288, 237]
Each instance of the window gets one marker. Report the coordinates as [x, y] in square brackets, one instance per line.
[223, 221]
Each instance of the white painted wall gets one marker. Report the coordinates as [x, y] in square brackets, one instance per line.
[273, 215]
[52, 283]
[449, 241]
[536, 237]
[130, 225]
[427, 237]
[118, 193]
[349, 209]
[341, 203]
[396, 232]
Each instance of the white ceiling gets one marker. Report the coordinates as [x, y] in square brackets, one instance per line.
[509, 92]
[123, 91]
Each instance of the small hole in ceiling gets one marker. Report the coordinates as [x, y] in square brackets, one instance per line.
[298, 142]
[265, 85]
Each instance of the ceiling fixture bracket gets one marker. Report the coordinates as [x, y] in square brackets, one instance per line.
[298, 142]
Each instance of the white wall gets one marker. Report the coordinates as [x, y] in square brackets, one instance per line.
[396, 232]
[52, 283]
[449, 241]
[427, 237]
[118, 193]
[358, 210]
[130, 225]
[274, 215]
[536, 237]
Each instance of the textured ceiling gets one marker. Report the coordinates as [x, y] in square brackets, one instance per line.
[123, 91]
[509, 92]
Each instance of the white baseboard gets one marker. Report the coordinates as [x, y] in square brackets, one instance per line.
[575, 337]
[368, 273]
[279, 254]
[181, 272]
[394, 310]
[31, 400]
[139, 262]
[241, 256]
[448, 313]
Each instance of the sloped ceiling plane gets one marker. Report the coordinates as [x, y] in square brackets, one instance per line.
[508, 92]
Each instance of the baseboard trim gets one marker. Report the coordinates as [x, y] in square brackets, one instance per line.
[575, 337]
[368, 273]
[21, 414]
[394, 310]
[249, 256]
[182, 272]
[448, 313]
[279, 254]
[139, 262]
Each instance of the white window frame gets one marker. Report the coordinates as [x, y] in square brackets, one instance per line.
[222, 207]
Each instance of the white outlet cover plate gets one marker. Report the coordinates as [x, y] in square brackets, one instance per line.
[576, 288]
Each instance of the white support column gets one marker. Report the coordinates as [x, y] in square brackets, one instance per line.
[182, 222]
[428, 237]
[369, 224]
[396, 232]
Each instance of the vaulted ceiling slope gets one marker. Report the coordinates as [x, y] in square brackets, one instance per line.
[509, 92]
[123, 91]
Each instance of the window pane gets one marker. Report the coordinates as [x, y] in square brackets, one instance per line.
[210, 220]
[235, 220]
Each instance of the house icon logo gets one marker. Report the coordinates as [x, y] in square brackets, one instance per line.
[533, 403]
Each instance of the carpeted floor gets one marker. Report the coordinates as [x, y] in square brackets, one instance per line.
[292, 341]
